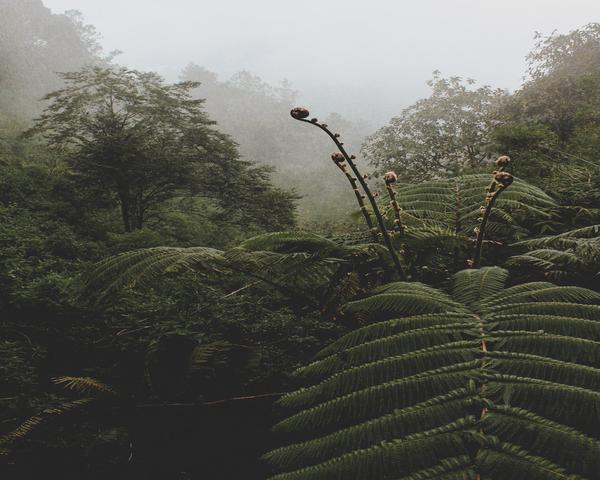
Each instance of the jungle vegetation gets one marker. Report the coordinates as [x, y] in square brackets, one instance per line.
[178, 300]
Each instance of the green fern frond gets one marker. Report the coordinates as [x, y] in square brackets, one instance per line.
[510, 461]
[471, 286]
[143, 267]
[392, 327]
[398, 344]
[429, 414]
[489, 381]
[567, 256]
[540, 436]
[457, 468]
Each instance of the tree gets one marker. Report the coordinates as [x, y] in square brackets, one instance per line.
[34, 45]
[550, 125]
[490, 381]
[553, 92]
[130, 134]
[446, 133]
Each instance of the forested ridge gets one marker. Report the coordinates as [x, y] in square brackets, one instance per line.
[192, 285]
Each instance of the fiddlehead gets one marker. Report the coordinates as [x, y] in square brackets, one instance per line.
[500, 182]
[302, 114]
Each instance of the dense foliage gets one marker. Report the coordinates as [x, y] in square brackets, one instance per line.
[156, 295]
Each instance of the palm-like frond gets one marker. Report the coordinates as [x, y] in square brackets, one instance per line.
[453, 204]
[569, 256]
[144, 266]
[36, 421]
[298, 264]
[500, 382]
[84, 385]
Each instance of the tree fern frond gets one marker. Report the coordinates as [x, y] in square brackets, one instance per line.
[496, 300]
[544, 368]
[510, 461]
[507, 377]
[559, 325]
[425, 415]
[143, 266]
[544, 437]
[413, 303]
[83, 385]
[381, 371]
[442, 215]
[456, 468]
[398, 344]
[556, 294]
[566, 309]
[561, 347]
[470, 286]
[380, 399]
[392, 327]
[395, 457]
[567, 256]
[36, 421]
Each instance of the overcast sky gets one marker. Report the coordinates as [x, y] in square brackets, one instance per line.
[365, 58]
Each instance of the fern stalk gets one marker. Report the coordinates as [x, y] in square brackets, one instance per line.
[301, 114]
[390, 178]
[500, 182]
[338, 159]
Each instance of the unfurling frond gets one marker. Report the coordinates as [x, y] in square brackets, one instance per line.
[485, 382]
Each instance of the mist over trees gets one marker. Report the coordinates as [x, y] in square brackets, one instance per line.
[186, 266]
[256, 115]
[35, 45]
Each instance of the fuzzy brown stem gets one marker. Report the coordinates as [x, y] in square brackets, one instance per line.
[491, 198]
[368, 193]
[394, 204]
[360, 200]
[493, 192]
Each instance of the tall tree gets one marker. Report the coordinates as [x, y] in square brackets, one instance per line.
[144, 141]
[553, 92]
[446, 133]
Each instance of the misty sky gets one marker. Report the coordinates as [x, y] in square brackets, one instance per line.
[365, 59]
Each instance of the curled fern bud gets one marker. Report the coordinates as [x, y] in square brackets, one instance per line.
[299, 113]
[503, 161]
[337, 157]
[503, 178]
[390, 177]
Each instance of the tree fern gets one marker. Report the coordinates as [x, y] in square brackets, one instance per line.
[439, 218]
[573, 256]
[93, 389]
[454, 204]
[484, 382]
[309, 268]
